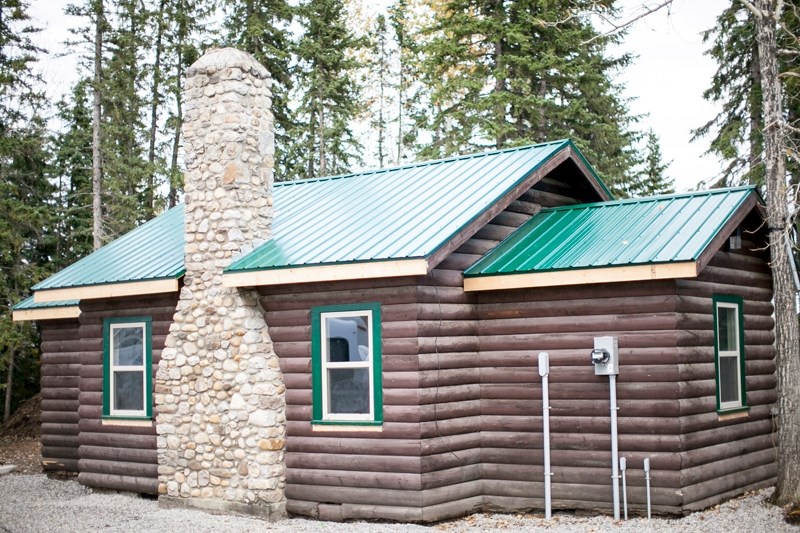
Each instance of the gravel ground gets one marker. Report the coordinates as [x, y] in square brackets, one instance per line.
[36, 503]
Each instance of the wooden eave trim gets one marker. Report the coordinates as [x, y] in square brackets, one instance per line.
[484, 218]
[722, 235]
[318, 273]
[585, 276]
[46, 313]
[110, 290]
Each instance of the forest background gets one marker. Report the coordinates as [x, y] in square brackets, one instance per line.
[353, 87]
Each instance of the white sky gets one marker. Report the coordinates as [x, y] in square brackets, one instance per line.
[665, 81]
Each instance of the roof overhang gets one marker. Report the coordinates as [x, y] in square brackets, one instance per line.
[323, 273]
[108, 290]
[584, 276]
[45, 313]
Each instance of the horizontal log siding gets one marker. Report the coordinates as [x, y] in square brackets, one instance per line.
[450, 386]
[514, 327]
[60, 380]
[724, 458]
[349, 474]
[111, 456]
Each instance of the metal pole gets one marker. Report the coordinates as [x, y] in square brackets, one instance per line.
[612, 385]
[647, 481]
[622, 465]
[544, 372]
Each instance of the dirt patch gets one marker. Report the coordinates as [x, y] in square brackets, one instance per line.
[19, 438]
[26, 421]
[25, 453]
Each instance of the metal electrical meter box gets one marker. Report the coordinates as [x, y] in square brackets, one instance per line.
[605, 356]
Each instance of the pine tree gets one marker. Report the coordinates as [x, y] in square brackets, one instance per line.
[381, 73]
[26, 225]
[652, 178]
[736, 132]
[71, 169]
[508, 73]
[125, 170]
[329, 98]
[261, 28]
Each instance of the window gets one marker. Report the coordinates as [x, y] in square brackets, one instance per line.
[346, 364]
[729, 349]
[127, 374]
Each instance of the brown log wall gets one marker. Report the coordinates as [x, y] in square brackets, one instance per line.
[118, 457]
[60, 388]
[514, 327]
[726, 456]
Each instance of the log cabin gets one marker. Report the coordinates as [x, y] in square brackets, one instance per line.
[366, 346]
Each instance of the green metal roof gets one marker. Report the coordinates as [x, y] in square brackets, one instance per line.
[28, 303]
[390, 214]
[660, 229]
[397, 213]
[152, 251]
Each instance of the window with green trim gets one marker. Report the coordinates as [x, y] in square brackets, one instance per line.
[729, 352]
[127, 375]
[346, 364]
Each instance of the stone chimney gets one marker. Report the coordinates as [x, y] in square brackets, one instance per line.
[219, 391]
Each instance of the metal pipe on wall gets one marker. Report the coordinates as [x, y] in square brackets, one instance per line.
[612, 385]
[544, 372]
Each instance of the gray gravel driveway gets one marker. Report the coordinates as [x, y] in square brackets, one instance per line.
[35, 503]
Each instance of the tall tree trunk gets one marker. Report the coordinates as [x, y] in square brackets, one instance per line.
[97, 169]
[155, 101]
[322, 163]
[756, 140]
[9, 386]
[787, 334]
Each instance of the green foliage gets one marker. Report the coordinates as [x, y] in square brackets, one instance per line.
[261, 28]
[651, 179]
[329, 98]
[71, 169]
[736, 132]
[509, 73]
[26, 234]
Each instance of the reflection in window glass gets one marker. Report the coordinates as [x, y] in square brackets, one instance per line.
[347, 364]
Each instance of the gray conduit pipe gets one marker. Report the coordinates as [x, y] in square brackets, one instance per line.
[544, 372]
[647, 481]
[622, 465]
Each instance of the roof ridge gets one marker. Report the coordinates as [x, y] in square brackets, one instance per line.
[418, 164]
[655, 198]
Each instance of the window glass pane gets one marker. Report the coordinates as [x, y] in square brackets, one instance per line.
[727, 334]
[128, 346]
[348, 390]
[348, 338]
[728, 379]
[129, 391]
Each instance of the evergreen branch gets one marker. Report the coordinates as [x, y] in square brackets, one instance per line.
[616, 28]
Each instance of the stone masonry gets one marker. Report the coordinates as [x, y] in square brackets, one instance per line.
[219, 391]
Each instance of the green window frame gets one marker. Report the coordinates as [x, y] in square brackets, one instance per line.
[729, 357]
[346, 364]
[127, 368]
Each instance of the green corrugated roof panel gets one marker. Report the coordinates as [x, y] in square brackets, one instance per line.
[397, 213]
[152, 251]
[390, 214]
[28, 303]
[659, 229]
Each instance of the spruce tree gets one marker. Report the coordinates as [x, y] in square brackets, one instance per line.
[652, 178]
[26, 234]
[509, 73]
[737, 131]
[71, 170]
[262, 28]
[328, 96]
